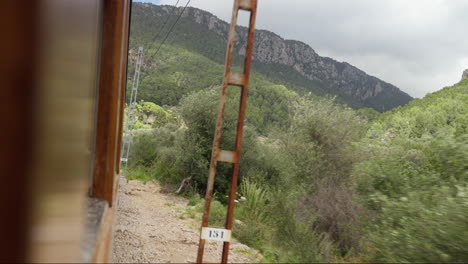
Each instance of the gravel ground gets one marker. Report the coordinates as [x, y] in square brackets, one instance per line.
[149, 228]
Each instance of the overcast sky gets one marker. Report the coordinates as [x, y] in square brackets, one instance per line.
[418, 45]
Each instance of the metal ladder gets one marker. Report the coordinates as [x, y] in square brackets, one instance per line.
[131, 109]
[231, 156]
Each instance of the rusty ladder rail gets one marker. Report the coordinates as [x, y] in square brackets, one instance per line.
[234, 79]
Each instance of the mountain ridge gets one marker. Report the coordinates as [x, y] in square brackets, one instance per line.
[274, 55]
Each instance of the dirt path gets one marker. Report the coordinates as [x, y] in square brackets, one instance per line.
[149, 228]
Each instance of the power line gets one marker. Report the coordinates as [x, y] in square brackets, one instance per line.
[165, 22]
[170, 30]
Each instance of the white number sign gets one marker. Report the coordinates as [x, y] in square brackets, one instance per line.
[217, 234]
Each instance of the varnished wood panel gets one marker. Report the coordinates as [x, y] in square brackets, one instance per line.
[113, 59]
[123, 81]
[102, 252]
[64, 123]
[49, 72]
[17, 66]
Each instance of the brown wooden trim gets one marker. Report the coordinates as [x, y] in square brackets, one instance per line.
[123, 82]
[114, 41]
[17, 67]
[102, 252]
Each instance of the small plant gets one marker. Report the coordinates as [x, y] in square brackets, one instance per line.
[242, 251]
[217, 213]
[139, 173]
[250, 233]
[253, 200]
[194, 200]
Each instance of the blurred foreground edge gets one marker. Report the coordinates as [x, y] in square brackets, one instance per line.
[63, 76]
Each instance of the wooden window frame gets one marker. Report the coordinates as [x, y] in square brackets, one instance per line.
[111, 98]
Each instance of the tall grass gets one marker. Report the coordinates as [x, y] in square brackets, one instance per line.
[252, 201]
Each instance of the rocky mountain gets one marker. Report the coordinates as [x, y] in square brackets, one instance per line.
[289, 61]
[465, 74]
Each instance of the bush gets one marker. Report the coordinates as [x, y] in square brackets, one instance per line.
[319, 152]
[418, 229]
[143, 148]
[156, 151]
[218, 213]
[335, 213]
[251, 233]
[412, 177]
[194, 199]
[293, 237]
[199, 112]
[139, 173]
[315, 187]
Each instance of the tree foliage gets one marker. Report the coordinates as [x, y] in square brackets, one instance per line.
[323, 182]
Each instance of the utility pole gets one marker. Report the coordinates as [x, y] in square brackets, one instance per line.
[131, 109]
[231, 156]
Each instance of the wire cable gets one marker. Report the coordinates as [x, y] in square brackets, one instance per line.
[165, 22]
[170, 30]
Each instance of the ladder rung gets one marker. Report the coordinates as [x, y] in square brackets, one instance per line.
[124, 159]
[236, 78]
[246, 4]
[227, 156]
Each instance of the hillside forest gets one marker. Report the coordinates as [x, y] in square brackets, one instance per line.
[320, 180]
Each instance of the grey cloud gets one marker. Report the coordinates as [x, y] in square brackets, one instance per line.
[418, 45]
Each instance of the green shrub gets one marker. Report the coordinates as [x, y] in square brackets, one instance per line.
[319, 187]
[195, 199]
[250, 233]
[217, 214]
[413, 178]
[139, 173]
[143, 148]
[429, 227]
[294, 240]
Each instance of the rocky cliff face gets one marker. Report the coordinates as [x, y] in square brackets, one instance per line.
[337, 77]
[465, 74]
